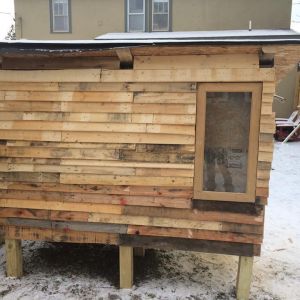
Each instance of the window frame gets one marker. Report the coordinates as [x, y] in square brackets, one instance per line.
[249, 195]
[128, 14]
[152, 17]
[52, 18]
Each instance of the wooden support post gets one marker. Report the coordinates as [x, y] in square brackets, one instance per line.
[139, 251]
[14, 263]
[126, 267]
[125, 57]
[244, 276]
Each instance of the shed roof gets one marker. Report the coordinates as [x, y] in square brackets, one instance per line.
[120, 40]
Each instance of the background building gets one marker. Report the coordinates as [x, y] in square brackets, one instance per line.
[77, 19]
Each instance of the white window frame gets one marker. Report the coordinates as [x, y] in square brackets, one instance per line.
[53, 2]
[155, 30]
[134, 14]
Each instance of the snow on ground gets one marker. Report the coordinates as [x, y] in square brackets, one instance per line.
[64, 271]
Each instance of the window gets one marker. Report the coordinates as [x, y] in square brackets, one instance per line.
[227, 141]
[148, 15]
[160, 15]
[136, 15]
[60, 15]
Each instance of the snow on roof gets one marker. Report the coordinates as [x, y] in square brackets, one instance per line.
[199, 35]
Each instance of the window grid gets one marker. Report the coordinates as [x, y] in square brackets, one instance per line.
[143, 13]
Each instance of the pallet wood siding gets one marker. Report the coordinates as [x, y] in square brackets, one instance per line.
[107, 155]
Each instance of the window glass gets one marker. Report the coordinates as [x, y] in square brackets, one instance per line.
[160, 15]
[136, 15]
[227, 126]
[136, 6]
[60, 12]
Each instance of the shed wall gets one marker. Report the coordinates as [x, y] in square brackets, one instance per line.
[110, 154]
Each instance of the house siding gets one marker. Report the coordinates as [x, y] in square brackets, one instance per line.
[91, 18]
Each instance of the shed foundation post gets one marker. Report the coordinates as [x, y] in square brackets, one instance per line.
[126, 267]
[14, 261]
[244, 276]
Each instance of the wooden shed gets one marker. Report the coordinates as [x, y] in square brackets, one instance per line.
[141, 141]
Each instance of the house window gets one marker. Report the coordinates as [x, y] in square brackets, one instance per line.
[160, 15]
[60, 16]
[136, 15]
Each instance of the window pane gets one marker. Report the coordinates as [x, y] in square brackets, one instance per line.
[61, 24]
[60, 7]
[136, 6]
[227, 129]
[136, 23]
[65, 9]
[160, 6]
[160, 22]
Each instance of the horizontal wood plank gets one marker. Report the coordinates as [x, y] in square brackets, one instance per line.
[186, 75]
[229, 61]
[69, 96]
[80, 75]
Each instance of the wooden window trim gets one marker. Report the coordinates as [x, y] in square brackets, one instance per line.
[256, 89]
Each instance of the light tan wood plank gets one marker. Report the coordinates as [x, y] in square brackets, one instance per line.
[80, 75]
[186, 75]
[196, 62]
[62, 206]
[172, 98]
[138, 138]
[30, 135]
[29, 86]
[77, 126]
[269, 88]
[68, 96]
[125, 180]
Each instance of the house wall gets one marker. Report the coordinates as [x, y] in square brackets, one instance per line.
[91, 18]
[230, 14]
[287, 89]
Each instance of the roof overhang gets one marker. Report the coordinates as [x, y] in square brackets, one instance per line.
[123, 40]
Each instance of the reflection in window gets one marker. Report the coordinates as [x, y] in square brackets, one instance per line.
[136, 15]
[227, 129]
[160, 15]
[60, 16]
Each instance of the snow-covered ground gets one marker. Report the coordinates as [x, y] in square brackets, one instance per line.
[58, 271]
